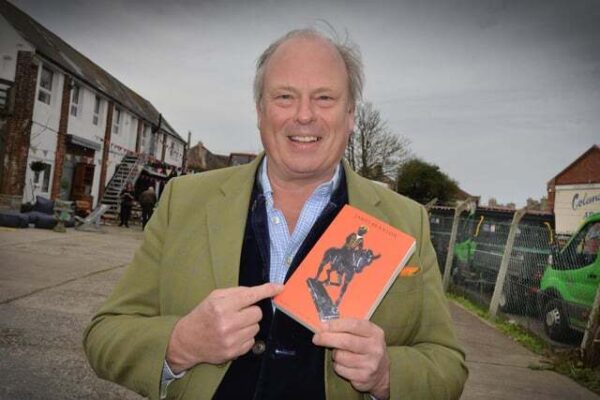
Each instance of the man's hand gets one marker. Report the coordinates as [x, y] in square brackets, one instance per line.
[359, 354]
[220, 328]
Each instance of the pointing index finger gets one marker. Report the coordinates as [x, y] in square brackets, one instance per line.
[252, 295]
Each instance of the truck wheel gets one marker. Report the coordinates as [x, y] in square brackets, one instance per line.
[556, 322]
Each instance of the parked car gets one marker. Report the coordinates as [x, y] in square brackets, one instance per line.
[570, 281]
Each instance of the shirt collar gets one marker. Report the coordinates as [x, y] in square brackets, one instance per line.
[324, 189]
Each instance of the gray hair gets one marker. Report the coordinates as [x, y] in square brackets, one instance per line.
[349, 52]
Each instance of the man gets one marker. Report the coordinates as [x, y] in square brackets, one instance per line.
[127, 197]
[192, 316]
[147, 202]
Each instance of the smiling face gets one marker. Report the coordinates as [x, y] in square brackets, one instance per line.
[305, 117]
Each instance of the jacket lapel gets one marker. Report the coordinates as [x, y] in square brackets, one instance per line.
[226, 217]
[361, 195]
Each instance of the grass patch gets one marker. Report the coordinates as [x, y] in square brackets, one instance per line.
[564, 361]
[568, 362]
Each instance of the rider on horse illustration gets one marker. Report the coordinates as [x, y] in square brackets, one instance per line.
[346, 261]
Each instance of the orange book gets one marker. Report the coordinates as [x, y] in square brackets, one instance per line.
[347, 272]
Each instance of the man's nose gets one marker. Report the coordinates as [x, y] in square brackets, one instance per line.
[305, 113]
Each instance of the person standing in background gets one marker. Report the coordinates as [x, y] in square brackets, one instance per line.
[127, 197]
[147, 202]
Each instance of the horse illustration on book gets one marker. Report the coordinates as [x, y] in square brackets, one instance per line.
[345, 261]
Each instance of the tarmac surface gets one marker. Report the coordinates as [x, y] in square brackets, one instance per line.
[51, 284]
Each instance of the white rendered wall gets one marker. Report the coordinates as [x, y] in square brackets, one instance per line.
[10, 43]
[174, 152]
[44, 130]
[125, 139]
[157, 140]
[145, 138]
[82, 125]
[121, 142]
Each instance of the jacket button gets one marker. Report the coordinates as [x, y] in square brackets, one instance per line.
[259, 347]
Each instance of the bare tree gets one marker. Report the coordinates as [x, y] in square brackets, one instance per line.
[373, 150]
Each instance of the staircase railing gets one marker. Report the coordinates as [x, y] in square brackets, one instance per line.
[135, 170]
[130, 175]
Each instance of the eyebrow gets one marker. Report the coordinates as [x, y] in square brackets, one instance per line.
[292, 89]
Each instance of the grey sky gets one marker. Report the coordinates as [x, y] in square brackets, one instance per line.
[502, 95]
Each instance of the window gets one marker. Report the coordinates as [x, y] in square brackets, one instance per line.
[582, 250]
[44, 175]
[145, 132]
[588, 247]
[116, 121]
[97, 105]
[75, 100]
[45, 91]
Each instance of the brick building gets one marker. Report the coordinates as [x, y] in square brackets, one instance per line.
[65, 123]
[574, 192]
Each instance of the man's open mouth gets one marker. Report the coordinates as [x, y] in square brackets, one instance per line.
[304, 139]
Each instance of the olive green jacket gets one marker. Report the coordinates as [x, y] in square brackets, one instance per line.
[192, 246]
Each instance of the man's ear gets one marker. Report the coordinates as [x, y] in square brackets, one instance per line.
[351, 119]
[258, 115]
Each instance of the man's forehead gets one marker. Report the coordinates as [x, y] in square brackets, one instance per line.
[307, 54]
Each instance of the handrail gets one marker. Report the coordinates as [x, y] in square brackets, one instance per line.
[134, 170]
[139, 160]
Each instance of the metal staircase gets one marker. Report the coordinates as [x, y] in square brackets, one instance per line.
[127, 171]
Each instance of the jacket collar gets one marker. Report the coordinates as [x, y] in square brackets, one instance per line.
[362, 193]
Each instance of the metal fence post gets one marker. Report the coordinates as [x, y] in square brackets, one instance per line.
[460, 208]
[431, 203]
[590, 345]
[499, 287]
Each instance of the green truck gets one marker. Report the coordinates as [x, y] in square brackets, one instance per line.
[479, 250]
[570, 281]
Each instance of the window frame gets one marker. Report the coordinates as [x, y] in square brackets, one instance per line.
[45, 93]
[46, 180]
[42, 177]
[116, 122]
[97, 110]
[75, 108]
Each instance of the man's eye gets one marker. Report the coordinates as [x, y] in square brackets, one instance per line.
[284, 97]
[325, 99]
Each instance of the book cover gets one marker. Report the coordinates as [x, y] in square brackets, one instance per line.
[347, 272]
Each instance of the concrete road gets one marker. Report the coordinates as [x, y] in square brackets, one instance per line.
[503, 369]
[51, 283]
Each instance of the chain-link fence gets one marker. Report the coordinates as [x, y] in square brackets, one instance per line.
[529, 294]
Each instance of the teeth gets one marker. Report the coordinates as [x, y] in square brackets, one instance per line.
[304, 139]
